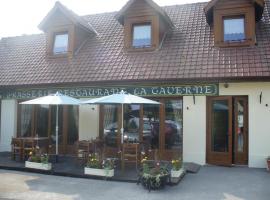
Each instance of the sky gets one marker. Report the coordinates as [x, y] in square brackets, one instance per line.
[19, 17]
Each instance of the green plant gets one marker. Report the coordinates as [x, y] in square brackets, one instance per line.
[176, 164]
[154, 175]
[108, 164]
[37, 156]
[94, 161]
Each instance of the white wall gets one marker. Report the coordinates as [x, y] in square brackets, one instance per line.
[259, 118]
[88, 122]
[194, 129]
[8, 123]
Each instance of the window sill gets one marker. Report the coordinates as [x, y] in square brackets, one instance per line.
[62, 55]
[243, 43]
[141, 49]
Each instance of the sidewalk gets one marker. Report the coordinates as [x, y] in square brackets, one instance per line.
[211, 183]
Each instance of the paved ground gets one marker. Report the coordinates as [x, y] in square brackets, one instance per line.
[217, 183]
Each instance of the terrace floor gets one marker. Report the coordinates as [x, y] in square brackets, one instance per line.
[68, 166]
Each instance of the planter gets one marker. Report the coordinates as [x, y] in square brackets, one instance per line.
[99, 172]
[35, 165]
[177, 173]
[268, 164]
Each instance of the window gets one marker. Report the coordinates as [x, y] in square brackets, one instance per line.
[141, 35]
[110, 125]
[60, 43]
[234, 29]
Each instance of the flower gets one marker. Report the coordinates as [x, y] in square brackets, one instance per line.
[176, 164]
[144, 159]
[37, 156]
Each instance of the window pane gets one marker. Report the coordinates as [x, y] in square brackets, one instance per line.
[73, 119]
[173, 124]
[60, 124]
[151, 126]
[25, 120]
[131, 123]
[234, 29]
[240, 128]
[42, 121]
[141, 35]
[110, 125]
[220, 126]
[60, 43]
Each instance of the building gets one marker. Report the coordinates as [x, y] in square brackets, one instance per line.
[207, 63]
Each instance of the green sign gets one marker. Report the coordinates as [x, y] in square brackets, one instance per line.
[149, 90]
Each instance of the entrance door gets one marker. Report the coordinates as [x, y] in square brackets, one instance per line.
[219, 133]
[227, 130]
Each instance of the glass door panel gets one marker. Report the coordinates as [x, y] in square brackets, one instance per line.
[151, 125]
[240, 130]
[25, 119]
[42, 119]
[220, 126]
[110, 124]
[60, 128]
[173, 124]
[131, 123]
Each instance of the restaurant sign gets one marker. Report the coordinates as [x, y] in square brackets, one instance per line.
[149, 90]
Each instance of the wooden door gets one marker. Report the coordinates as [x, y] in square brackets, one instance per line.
[219, 130]
[241, 130]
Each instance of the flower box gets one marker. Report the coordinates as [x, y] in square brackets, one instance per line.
[99, 172]
[177, 173]
[35, 165]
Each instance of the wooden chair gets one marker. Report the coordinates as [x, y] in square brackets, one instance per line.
[28, 146]
[84, 148]
[130, 153]
[16, 148]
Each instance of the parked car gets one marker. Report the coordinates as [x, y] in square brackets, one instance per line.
[170, 133]
[131, 133]
[150, 132]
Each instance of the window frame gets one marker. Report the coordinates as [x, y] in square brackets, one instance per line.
[151, 35]
[53, 43]
[128, 32]
[232, 18]
[249, 15]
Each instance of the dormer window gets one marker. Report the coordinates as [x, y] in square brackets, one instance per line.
[141, 35]
[145, 25]
[234, 22]
[234, 29]
[60, 45]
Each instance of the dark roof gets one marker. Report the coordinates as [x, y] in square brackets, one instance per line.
[70, 15]
[188, 53]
